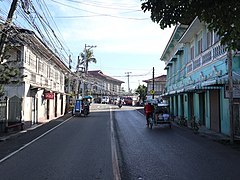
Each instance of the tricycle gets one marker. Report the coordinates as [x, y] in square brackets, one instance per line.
[81, 106]
[160, 115]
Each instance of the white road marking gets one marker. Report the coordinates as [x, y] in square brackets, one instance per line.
[116, 172]
[31, 142]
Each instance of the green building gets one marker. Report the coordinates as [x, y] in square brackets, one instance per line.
[197, 78]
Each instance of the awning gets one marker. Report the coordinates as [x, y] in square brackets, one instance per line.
[180, 91]
[209, 82]
[222, 80]
[35, 87]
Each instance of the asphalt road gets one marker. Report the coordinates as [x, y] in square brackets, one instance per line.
[164, 153]
[80, 148]
[83, 148]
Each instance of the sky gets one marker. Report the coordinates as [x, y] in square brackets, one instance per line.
[126, 39]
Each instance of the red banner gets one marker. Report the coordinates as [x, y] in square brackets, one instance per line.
[48, 95]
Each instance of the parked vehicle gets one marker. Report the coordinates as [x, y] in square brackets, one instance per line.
[81, 106]
[105, 100]
[128, 101]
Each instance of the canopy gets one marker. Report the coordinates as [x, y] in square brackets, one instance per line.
[88, 97]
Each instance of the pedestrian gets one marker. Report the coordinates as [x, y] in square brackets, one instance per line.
[148, 110]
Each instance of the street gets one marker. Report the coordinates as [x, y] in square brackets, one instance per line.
[78, 149]
[176, 153]
[82, 148]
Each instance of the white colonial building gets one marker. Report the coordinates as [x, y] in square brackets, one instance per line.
[41, 87]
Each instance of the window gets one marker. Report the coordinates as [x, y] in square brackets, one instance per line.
[56, 76]
[192, 53]
[33, 62]
[40, 67]
[216, 37]
[200, 46]
[51, 73]
[209, 39]
[18, 55]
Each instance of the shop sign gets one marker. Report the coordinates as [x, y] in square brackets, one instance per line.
[48, 95]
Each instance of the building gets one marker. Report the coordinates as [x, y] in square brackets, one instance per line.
[197, 78]
[159, 86]
[100, 84]
[41, 88]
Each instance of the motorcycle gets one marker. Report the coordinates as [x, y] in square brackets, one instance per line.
[120, 104]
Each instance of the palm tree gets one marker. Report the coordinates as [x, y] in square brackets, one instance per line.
[89, 58]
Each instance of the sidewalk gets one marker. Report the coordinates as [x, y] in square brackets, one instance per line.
[35, 129]
[204, 132]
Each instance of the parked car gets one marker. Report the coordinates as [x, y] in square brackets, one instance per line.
[105, 100]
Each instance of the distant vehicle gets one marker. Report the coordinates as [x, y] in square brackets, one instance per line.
[115, 100]
[105, 100]
[128, 101]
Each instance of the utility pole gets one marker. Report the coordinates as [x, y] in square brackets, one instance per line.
[69, 89]
[8, 22]
[153, 84]
[230, 90]
[128, 74]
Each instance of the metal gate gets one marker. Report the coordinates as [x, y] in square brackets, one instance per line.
[14, 110]
[10, 112]
[3, 113]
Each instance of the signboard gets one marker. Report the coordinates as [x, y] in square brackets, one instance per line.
[151, 91]
[236, 91]
[48, 95]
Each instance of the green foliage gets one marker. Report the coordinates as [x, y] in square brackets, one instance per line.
[142, 91]
[90, 58]
[8, 75]
[221, 16]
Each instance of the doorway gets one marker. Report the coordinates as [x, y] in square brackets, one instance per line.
[214, 110]
[202, 111]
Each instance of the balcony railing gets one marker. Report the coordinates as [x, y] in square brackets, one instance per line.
[211, 54]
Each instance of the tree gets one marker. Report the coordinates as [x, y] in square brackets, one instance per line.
[221, 16]
[89, 58]
[142, 91]
[9, 74]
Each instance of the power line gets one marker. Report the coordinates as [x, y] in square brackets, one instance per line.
[95, 14]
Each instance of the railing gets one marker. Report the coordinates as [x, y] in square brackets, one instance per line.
[207, 56]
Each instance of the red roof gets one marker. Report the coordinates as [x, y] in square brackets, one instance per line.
[161, 78]
[99, 74]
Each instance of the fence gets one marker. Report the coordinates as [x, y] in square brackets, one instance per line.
[10, 112]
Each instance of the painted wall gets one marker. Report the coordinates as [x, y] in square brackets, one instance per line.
[224, 110]
[196, 107]
[207, 110]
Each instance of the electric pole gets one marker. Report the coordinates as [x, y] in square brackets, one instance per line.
[153, 84]
[128, 74]
[8, 22]
[230, 88]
